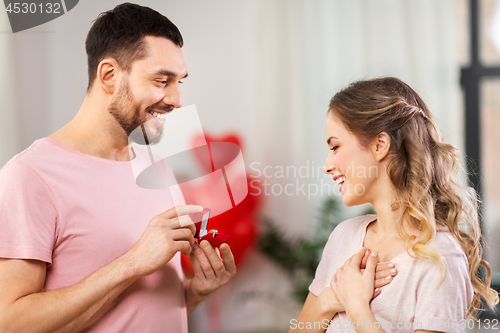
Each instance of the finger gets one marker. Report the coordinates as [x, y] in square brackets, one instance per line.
[204, 262]
[184, 246]
[383, 281]
[216, 263]
[217, 250]
[384, 265]
[370, 266]
[228, 258]
[385, 273]
[356, 259]
[185, 235]
[194, 261]
[185, 221]
[177, 211]
[376, 292]
[365, 259]
[182, 222]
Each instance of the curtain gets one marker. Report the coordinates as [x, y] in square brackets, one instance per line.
[9, 111]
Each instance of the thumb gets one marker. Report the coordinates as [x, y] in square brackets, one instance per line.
[356, 259]
[371, 265]
[365, 259]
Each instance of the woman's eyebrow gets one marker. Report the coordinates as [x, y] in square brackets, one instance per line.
[330, 138]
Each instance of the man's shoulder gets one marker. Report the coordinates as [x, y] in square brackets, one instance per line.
[37, 152]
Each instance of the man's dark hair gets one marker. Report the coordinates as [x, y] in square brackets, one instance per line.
[119, 33]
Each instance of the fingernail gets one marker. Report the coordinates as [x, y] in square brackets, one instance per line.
[205, 244]
[393, 271]
[199, 207]
[390, 264]
[388, 277]
[373, 254]
[377, 290]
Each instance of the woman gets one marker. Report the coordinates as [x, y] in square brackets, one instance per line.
[385, 149]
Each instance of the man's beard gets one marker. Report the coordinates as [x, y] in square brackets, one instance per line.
[133, 127]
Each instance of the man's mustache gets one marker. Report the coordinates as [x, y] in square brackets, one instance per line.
[160, 107]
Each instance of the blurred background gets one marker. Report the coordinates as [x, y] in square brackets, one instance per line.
[261, 73]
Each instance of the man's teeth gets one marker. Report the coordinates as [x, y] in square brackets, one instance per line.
[340, 180]
[159, 115]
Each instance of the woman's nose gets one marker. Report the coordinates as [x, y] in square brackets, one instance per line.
[327, 168]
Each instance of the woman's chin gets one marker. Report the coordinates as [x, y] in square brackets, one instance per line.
[351, 201]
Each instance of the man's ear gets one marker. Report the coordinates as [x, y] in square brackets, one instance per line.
[381, 145]
[107, 73]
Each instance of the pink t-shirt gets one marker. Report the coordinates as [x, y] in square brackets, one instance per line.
[78, 213]
[414, 299]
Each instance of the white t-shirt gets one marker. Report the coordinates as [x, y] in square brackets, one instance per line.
[414, 299]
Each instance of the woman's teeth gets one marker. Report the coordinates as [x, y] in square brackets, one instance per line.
[340, 180]
[158, 115]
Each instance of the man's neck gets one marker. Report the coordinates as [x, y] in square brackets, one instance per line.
[93, 132]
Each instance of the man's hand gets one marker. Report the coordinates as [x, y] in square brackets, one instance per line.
[166, 234]
[210, 271]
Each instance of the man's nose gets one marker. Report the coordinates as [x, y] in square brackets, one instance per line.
[173, 96]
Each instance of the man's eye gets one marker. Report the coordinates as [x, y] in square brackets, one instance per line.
[334, 148]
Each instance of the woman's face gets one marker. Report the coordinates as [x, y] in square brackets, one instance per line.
[354, 167]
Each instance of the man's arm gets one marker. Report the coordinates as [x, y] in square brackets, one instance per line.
[25, 308]
[67, 308]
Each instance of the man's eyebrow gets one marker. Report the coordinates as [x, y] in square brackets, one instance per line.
[168, 73]
[329, 139]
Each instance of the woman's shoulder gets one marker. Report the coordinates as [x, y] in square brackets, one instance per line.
[451, 251]
[447, 244]
[352, 227]
[356, 223]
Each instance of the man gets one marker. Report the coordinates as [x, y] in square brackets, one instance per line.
[82, 247]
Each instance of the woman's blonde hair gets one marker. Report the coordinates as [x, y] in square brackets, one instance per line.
[423, 170]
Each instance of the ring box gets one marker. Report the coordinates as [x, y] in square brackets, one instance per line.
[200, 221]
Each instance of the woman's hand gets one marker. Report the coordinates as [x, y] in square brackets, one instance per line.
[329, 301]
[353, 286]
[384, 274]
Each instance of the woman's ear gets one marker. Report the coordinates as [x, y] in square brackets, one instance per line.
[381, 145]
[107, 74]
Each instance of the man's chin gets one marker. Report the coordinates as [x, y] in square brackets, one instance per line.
[147, 134]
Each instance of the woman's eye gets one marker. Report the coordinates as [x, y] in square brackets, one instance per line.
[334, 148]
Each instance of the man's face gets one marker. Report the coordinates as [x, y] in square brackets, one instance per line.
[150, 90]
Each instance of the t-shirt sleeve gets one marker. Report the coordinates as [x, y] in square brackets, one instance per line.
[443, 307]
[321, 275]
[28, 214]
